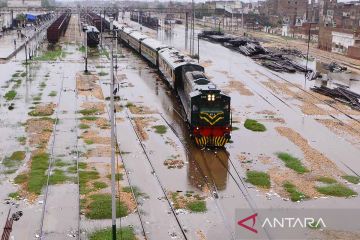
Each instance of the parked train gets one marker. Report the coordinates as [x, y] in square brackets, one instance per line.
[93, 38]
[58, 28]
[145, 19]
[207, 109]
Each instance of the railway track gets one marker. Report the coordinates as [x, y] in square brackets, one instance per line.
[51, 161]
[183, 231]
[210, 182]
[138, 212]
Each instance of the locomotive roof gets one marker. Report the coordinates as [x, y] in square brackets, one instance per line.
[200, 81]
[138, 35]
[92, 29]
[175, 58]
[154, 44]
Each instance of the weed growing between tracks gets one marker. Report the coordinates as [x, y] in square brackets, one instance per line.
[14, 159]
[292, 162]
[327, 180]
[337, 190]
[254, 125]
[100, 207]
[260, 179]
[295, 195]
[10, 95]
[99, 185]
[126, 233]
[52, 94]
[118, 176]
[43, 110]
[37, 174]
[194, 203]
[160, 129]
[51, 55]
[352, 179]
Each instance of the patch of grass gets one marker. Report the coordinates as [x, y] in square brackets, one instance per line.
[50, 55]
[23, 74]
[14, 195]
[89, 118]
[37, 177]
[21, 178]
[52, 94]
[118, 176]
[83, 126]
[72, 169]
[89, 141]
[10, 95]
[60, 163]
[21, 140]
[352, 179]
[88, 111]
[99, 66]
[35, 113]
[42, 85]
[82, 49]
[127, 233]
[37, 98]
[292, 162]
[85, 177]
[160, 129]
[295, 195]
[197, 206]
[337, 190]
[327, 180]
[234, 128]
[82, 165]
[17, 156]
[100, 207]
[260, 179]
[99, 185]
[14, 159]
[102, 73]
[57, 177]
[15, 75]
[254, 125]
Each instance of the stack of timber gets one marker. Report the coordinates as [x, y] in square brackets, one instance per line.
[341, 94]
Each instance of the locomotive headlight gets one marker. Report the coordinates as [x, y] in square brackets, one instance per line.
[209, 97]
[213, 97]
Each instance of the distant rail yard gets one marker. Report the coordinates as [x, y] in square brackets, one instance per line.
[127, 121]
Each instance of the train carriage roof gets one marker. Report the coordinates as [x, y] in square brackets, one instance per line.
[138, 35]
[127, 30]
[153, 44]
[119, 25]
[176, 59]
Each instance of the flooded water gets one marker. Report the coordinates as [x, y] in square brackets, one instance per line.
[217, 176]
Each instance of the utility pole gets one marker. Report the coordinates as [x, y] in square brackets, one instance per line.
[112, 109]
[86, 50]
[307, 54]
[101, 29]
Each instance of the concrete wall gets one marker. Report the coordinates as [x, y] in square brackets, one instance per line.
[342, 41]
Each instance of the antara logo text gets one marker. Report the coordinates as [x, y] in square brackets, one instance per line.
[284, 222]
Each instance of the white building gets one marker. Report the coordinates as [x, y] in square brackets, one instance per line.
[24, 3]
[342, 41]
